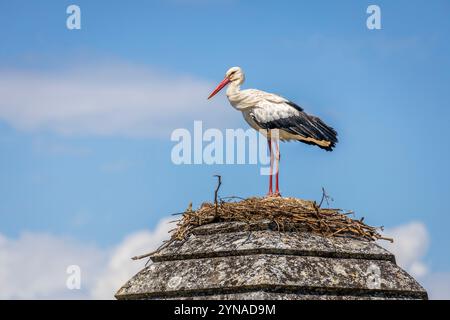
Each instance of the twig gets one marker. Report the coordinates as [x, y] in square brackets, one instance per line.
[143, 256]
[391, 240]
[232, 198]
[325, 197]
[216, 215]
[164, 245]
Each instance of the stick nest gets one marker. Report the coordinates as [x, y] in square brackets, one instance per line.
[286, 213]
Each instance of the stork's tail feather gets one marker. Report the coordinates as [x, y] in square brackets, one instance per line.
[327, 132]
[316, 132]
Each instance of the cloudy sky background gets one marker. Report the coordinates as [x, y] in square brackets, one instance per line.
[85, 120]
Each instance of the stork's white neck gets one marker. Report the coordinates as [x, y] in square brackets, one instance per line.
[236, 96]
[234, 88]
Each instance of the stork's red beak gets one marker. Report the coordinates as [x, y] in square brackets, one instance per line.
[219, 87]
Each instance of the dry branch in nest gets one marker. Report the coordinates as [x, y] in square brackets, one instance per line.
[286, 213]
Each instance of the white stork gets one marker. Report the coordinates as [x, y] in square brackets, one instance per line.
[266, 112]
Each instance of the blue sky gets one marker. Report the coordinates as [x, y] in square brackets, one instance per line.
[98, 176]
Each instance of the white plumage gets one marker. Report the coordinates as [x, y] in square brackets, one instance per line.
[265, 112]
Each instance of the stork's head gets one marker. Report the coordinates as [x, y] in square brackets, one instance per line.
[234, 75]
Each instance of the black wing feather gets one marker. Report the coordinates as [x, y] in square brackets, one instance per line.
[305, 125]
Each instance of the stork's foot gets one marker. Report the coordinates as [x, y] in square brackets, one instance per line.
[276, 194]
[273, 195]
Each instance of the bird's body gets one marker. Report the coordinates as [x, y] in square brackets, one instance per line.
[266, 112]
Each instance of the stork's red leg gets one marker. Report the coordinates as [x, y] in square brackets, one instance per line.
[277, 157]
[269, 142]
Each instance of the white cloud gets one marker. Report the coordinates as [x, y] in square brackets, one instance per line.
[107, 99]
[120, 267]
[411, 242]
[34, 266]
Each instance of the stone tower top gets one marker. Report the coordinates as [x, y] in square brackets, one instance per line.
[235, 260]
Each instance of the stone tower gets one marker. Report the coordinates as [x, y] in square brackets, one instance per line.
[233, 260]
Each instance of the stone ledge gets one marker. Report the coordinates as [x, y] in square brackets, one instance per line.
[265, 295]
[259, 272]
[208, 245]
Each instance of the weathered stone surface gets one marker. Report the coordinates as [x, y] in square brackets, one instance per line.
[263, 295]
[235, 226]
[221, 261]
[270, 242]
[292, 273]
